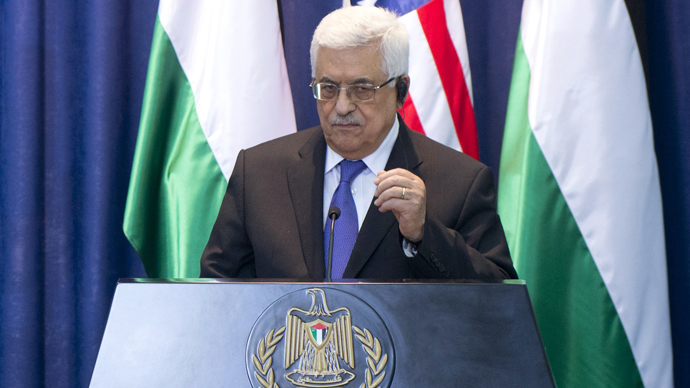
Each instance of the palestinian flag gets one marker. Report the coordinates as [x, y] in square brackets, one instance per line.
[319, 332]
[579, 196]
[217, 83]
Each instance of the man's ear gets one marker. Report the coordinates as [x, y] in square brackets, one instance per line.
[402, 85]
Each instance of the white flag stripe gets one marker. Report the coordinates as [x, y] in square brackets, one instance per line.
[232, 55]
[456, 29]
[426, 88]
[595, 131]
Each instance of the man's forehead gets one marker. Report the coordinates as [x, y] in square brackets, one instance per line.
[361, 64]
[355, 80]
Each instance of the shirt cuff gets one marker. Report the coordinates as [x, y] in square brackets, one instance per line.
[409, 248]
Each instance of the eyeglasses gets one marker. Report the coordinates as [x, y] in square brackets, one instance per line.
[326, 91]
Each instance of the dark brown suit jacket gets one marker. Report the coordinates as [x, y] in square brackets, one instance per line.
[270, 224]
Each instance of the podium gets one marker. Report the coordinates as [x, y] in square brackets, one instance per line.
[217, 333]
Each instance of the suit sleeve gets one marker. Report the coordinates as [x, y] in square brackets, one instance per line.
[474, 247]
[229, 252]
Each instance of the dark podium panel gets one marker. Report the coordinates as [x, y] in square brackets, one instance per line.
[167, 333]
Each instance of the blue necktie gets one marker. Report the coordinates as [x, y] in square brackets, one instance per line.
[346, 226]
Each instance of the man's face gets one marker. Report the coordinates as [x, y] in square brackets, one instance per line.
[354, 129]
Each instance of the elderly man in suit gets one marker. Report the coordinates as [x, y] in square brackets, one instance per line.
[409, 207]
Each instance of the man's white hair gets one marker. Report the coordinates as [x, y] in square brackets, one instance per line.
[359, 26]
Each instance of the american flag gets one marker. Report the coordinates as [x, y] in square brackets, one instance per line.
[439, 103]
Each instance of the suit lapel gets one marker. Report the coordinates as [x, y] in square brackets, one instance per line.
[305, 182]
[376, 224]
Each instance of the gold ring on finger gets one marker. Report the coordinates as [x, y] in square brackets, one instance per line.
[403, 193]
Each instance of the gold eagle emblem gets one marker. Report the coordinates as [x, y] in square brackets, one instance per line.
[319, 339]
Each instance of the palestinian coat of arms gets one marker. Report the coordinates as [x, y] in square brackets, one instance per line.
[319, 350]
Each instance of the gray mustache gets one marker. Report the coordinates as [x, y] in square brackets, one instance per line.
[343, 120]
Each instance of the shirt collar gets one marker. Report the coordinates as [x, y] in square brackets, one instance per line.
[377, 160]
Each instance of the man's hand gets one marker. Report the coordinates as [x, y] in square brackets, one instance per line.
[403, 193]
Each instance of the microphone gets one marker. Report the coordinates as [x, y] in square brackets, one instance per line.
[333, 214]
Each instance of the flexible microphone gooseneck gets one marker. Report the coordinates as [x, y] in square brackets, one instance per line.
[333, 214]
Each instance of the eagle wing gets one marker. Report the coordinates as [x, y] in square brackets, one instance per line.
[342, 339]
[294, 339]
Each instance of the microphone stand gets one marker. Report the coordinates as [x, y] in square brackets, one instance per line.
[333, 214]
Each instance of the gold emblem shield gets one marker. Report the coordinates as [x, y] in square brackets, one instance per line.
[347, 345]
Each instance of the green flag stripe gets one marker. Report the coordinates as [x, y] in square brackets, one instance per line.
[583, 335]
[176, 185]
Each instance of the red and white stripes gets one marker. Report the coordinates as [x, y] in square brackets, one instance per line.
[440, 100]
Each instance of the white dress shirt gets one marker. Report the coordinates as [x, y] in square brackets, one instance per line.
[363, 187]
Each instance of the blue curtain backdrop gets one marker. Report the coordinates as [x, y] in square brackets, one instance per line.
[71, 84]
